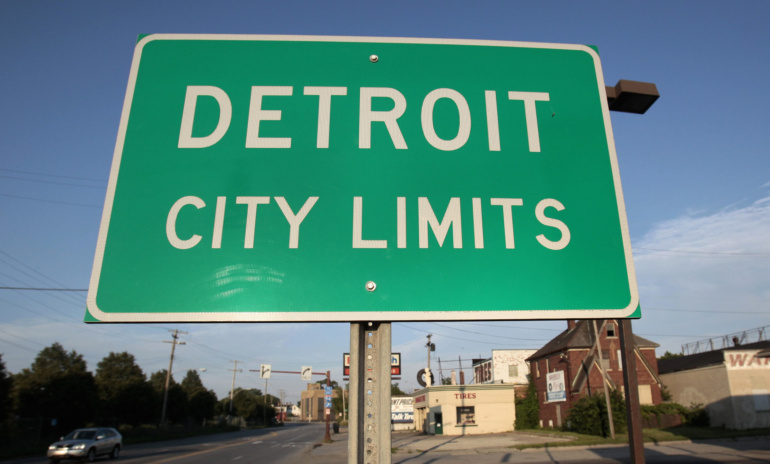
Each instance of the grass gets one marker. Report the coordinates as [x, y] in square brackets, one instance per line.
[650, 436]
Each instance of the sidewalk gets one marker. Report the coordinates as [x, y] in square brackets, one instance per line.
[416, 443]
[413, 448]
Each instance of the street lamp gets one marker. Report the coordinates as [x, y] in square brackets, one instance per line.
[631, 96]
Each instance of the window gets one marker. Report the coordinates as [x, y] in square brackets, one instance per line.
[606, 360]
[466, 415]
[620, 362]
[611, 332]
[513, 370]
[761, 400]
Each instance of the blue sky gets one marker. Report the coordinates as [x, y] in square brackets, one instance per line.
[694, 169]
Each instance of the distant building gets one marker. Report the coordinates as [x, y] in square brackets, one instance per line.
[312, 402]
[288, 410]
[733, 384]
[567, 368]
[504, 367]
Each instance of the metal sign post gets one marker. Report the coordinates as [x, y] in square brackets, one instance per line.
[633, 410]
[369, 439]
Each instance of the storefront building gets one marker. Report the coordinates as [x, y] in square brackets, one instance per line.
[465, 409]
[733, 384]
[402, 413]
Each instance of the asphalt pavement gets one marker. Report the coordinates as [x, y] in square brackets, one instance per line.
[303, 443]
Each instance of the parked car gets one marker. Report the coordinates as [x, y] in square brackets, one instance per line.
[87, 444]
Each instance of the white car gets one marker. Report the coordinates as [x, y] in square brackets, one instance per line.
[87, 444]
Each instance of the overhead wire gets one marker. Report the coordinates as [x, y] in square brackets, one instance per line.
[68, 203]
[701, 252]
[454, 338]
[49, 182]
[58, 176]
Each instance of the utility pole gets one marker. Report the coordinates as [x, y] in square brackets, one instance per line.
[232, 386]
[604, 378]
[285, 410]
[174, 335]
[429, 374]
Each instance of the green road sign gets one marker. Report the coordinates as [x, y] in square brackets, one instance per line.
[281, 178]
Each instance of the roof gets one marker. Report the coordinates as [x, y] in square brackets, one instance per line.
[708, 358]
[581, 336]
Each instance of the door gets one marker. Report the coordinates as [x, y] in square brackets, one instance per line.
[439, 423]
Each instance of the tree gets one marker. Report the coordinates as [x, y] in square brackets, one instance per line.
[201, 402]
[323, 382]
[176, 406]
[395, 390]
[250, 404]
[670, 355]
[528, 408]
[56, 386]
[6, 384]
[125, 396]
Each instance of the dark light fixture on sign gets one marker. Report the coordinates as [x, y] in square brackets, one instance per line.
[631, 96]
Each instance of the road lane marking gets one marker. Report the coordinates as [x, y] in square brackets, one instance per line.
[196, 453]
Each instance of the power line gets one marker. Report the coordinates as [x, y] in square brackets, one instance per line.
[702, 311]
[50, 182]
[42, 280]
[485, 334]
[19, 197]
[58, 176]
[461, 339]
[716, 253]
[40, 289]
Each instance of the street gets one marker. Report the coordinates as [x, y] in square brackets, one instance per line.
[277, 445]
[280, 445]
[301, 442]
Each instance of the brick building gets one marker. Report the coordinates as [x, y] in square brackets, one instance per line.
[569, 364]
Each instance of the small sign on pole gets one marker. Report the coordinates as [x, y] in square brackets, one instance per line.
[306, 373]
[264, 371]
[395, 364]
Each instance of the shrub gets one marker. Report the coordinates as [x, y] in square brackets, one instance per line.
[589, 415]
[697, 416]
[694, 415]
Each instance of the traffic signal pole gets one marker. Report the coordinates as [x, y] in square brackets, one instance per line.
[327, 436]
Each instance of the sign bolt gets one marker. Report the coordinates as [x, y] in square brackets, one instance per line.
[371, 286]
[374, 58]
